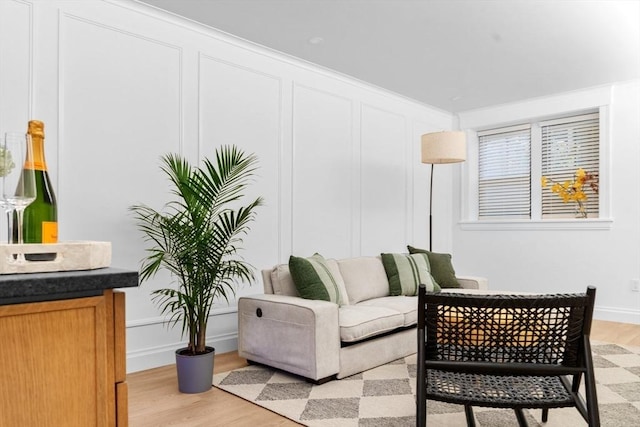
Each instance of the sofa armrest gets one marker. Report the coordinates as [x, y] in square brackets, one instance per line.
[294, 334]
[473, 282]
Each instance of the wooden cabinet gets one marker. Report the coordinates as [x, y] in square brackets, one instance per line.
[62, 363]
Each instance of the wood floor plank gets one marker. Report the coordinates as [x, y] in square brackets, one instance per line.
[154, 399]
[618, 333]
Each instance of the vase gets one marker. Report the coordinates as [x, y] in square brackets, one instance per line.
[581, 210]
[195, 373]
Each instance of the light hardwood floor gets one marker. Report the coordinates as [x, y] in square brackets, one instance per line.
[154, 399]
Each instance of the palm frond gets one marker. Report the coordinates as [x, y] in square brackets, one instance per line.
[197, 237]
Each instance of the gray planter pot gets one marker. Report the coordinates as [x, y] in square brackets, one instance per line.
[195, 373]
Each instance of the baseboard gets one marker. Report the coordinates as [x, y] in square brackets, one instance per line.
[614, 314]
[154, 357]
[152, 342]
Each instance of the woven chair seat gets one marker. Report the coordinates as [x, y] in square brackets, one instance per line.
[497, 391]
[506, 351]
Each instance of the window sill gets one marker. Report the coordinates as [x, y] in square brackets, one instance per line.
[547, 224]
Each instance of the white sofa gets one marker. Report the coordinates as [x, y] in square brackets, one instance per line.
[320, 340]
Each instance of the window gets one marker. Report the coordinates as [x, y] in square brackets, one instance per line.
[567, 145]
[512, 161]
[504, 182]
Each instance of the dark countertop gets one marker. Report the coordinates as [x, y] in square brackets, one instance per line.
[33, 287]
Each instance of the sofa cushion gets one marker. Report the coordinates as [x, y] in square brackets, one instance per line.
[360, 322]
[406, 305]
[441, 267]
[406, 272]
[314, 279]
[364, 278]
[282, 282]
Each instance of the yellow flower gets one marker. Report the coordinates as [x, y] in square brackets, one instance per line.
[572, 191]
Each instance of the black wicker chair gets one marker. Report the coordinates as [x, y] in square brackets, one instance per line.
[506, 351]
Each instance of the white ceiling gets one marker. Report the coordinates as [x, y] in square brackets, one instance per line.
[456, 55]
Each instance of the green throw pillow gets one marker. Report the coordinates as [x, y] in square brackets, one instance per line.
[313, 279]
[441, 267]
[407, 272]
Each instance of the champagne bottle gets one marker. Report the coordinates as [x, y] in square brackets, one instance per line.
[41, 216]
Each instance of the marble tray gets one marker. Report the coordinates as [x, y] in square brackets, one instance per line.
[63, 256]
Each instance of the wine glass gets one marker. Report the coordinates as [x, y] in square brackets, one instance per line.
[6, 164]
[8, 210]
[18, 182]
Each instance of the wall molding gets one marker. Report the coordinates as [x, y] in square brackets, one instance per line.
[160, 320]
[546, 224]
[63, 27]
[162, 355]
[614, 314]
[299, 98]
[149, 11]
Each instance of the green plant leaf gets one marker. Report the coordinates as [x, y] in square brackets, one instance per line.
[197, 236]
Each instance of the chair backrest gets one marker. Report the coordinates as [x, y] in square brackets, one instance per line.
[543, 329]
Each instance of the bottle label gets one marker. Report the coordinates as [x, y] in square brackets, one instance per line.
[35, 165]
[49, 232]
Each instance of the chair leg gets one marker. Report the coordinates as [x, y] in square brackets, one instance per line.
[590, 387]
[468, 411]
[421, 413]
[522, 422]
[421, 374]
[545, 415]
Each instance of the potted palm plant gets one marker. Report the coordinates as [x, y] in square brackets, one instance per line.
[196, 237]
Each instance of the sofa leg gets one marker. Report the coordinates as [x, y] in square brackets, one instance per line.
[322, 380]
[309, 380]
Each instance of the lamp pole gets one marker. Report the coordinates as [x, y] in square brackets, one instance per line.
[441, 147]
[431, 208]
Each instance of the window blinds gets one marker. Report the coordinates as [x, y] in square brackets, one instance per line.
[504, 173]
[569, 144]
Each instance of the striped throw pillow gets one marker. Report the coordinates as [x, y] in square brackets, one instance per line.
[407, 272]
[314, 280]
[441, 267]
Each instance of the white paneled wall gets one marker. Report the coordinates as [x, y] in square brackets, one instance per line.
[243, 106]
[16, 64]
[120, 108]
[119, 84]
[322, 184]
[384, 174]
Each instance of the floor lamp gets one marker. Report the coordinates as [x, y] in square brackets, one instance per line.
[441, 147]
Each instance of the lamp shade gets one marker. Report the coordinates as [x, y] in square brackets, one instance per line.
[444, 147]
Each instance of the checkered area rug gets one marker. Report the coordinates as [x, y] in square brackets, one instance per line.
[385, 396]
